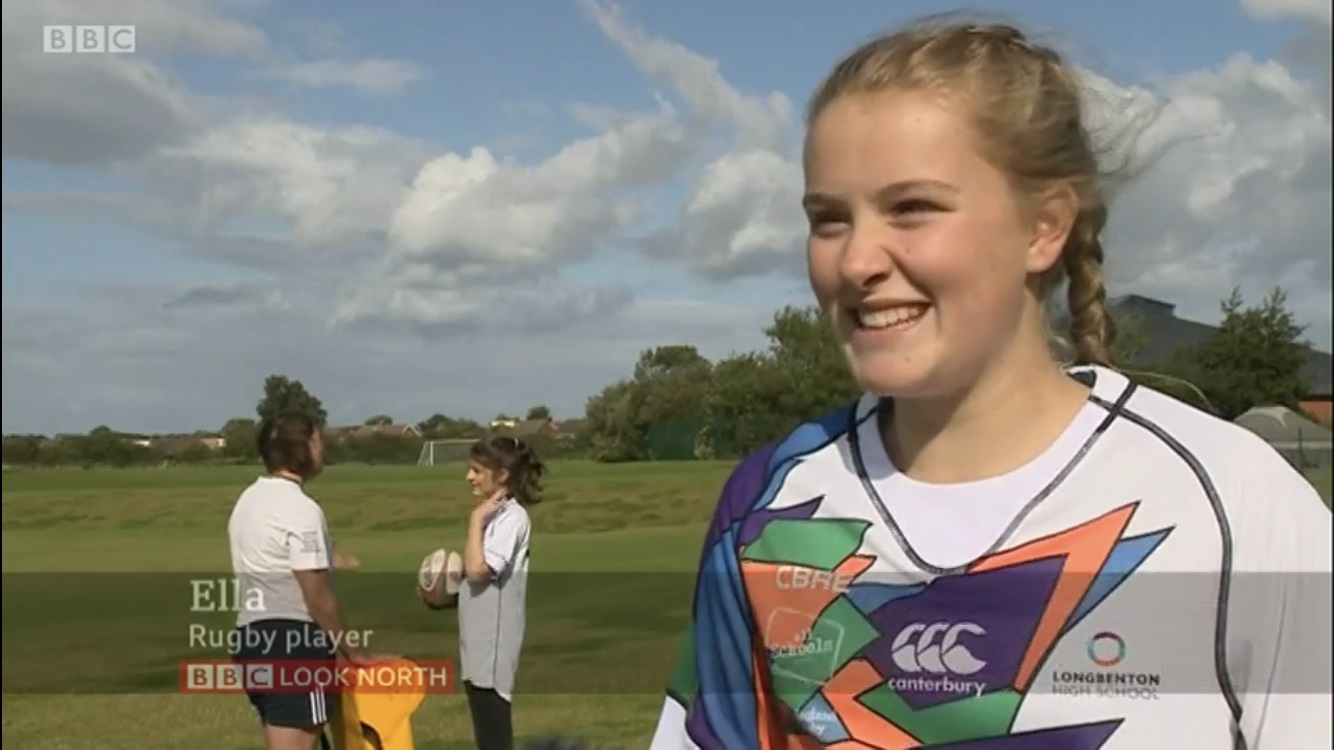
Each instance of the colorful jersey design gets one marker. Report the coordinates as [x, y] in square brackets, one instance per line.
[1122, 608]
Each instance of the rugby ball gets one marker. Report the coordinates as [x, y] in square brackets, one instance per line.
[439, 576]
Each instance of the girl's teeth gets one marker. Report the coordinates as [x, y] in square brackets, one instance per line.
[896, 316]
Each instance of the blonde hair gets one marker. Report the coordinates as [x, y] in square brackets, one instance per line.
[1024, 102]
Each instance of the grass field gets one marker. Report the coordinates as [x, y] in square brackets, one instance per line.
[91, 657]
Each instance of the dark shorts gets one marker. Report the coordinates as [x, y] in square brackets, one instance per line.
[273, 643]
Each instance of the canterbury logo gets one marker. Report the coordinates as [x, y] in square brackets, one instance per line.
[934, 649]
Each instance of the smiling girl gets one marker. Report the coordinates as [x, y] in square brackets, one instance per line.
[504, 475]
[1003, 552]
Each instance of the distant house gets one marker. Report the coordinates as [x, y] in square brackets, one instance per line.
[391, 430]
[175, 444]
[569, 429]
[1165, 334]
[361, 431]
[557, 430]
[524, 427]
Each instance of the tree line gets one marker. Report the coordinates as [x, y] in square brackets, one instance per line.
[378, 440]
[677, 404]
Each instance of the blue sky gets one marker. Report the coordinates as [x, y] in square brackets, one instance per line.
[232, 201]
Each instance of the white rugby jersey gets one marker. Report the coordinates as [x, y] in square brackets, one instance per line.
[493, 615]
[1159, 579]
[275, 529]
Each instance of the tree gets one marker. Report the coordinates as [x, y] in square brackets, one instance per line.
[285, 394]
[194, 453]
[747, 404]
[441, 427]
[432, 425]
[103, 446]
[21, 450]
[380, 420]
[672, 383]
[239, 438]
[811, 360]
[1130, 341]
[539, 412]
[609, 431]
[1254, 358]
[660, 412]
[756, 398]
[665, 360]
[678, 404]
[668, 402]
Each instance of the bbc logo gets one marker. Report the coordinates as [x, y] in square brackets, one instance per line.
[212, 677]
[107, 40]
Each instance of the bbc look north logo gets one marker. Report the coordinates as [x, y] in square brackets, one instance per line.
[95, 40]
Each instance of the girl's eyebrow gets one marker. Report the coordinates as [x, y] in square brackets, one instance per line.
[815, 200]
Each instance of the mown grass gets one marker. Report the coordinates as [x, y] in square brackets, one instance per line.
[583, 497]
[97, 570]
[96, 613]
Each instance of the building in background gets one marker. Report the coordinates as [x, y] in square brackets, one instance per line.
[1165, 334]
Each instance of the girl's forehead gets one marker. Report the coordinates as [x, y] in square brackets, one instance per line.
[861, 143]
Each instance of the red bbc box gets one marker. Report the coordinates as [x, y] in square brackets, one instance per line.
[225, 677]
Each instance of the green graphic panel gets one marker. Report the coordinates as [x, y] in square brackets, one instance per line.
[819, 543]
[835, 638]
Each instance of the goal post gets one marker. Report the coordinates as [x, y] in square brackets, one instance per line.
[437, 452]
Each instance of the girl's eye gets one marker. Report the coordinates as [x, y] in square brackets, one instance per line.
[823, 224]
[914, 206]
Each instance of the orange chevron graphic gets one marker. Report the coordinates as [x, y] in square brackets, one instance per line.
[1085, 549]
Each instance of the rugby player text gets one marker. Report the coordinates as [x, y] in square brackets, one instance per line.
[267, 641]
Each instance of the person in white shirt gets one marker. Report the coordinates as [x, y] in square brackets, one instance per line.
[283, 559]
[993, 549]
[505, 475]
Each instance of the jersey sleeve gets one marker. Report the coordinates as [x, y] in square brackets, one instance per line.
[307, 548]
[503, 540]
[716, 696]
[1279, 634]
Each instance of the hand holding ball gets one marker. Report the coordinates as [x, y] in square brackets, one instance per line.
[439, 577]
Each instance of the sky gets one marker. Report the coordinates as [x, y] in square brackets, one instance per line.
[472, 208]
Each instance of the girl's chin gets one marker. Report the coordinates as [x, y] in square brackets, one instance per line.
[889, 376]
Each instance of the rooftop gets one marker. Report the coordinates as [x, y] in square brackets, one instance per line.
[1165, 334]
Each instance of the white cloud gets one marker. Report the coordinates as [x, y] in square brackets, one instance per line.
[1312, 10]
[95, 109]
[1233, 196]
[334, 187]
[196, 363]
[1245, 164]
[369, 76]
[476, 209]
[393, 275]
[743, 218]
[757, 122]
[49, 113]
